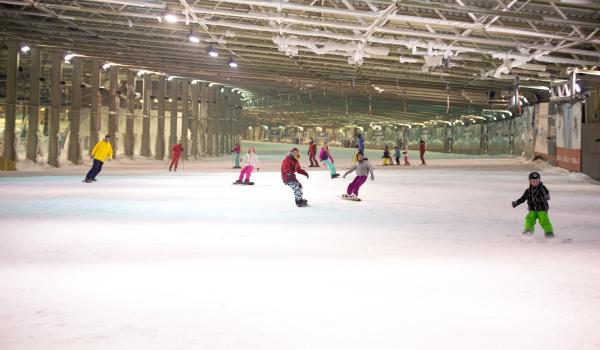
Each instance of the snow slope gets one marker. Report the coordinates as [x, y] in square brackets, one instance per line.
[432, 258]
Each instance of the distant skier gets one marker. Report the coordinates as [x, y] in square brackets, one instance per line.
[250, 162]
[361, 143]
[236, 152]
[327, 159]
[363, 169]
[387, 159]
[176, 152]
[397, 154]
[405, 155]
[422, 152]
[100, 152]
[537, 197]
[312, 152]
[289, 167]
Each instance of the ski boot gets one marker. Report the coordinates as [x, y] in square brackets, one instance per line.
[238, 182]
[527, 233]
[301, 203]
[549, 234]
[335, 175]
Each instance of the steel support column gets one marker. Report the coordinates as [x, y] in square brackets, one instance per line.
[95, 112]
[74, 154]
[113, 108]
[147, 103]
[173, 112]
[159, 149]
[55, 102]
[34, 103]
[129, 117]
[10, 153]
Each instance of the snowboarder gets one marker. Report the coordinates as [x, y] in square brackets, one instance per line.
[176, 152]
[236, 153]
[289, 167]
[537, 197]
[405, 154]
[422, 152]
[100, 152]
[312, 152]
[361, 143]
[387, 159]
[327, 159]
[363, 169]
[397, 154]
[250, 162]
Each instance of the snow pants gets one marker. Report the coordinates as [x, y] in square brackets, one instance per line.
[406, 162]
[313, 160]
[422, 154]
[397, 160]
[354, 186]
[330, 166]
[95, 170]
[174, 160]
[237, 160]
[296, 186]
[531, 218]
[246, 172]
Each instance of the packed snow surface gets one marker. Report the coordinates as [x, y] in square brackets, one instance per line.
[432, 258]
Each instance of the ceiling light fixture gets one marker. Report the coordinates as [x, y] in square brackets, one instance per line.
[231, 63]
[193, 38]
[212, 52]
[25, 48]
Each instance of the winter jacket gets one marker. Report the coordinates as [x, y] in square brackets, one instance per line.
[102, 150]
[177, 149]
[251, 159]
[397, 152]
[363, 168]
[361, 144]
[324, 155]
[386, 154]
[312, 148]
[537, 198]
[289, 167]
[236, 149]
[422, 147]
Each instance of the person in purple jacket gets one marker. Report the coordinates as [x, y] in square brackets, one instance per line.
[327, 159]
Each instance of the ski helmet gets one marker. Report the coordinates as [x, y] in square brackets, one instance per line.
[534, 176]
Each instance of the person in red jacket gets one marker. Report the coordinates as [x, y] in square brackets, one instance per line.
[312, 152]
[176, 151]
[289, 167]
[422, 152]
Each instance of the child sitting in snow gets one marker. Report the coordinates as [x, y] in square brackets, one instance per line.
[537, 196]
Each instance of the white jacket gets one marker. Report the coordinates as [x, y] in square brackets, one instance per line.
[251, 159]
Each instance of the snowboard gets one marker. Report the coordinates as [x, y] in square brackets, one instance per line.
[244, 183]
[543, 240]
[345, 197]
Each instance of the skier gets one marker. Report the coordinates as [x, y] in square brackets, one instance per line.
[250, 162]
[312, 152]
[176, 152]
[361, 144]
[405, 154]
[537, 197]
[422, 152]
[397, 154]
[289, 167]
[327, 159]
[363, 168]
[236, 150]
[100, 152]
[387, 159]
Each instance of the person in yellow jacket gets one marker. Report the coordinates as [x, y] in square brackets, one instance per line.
[101, 151]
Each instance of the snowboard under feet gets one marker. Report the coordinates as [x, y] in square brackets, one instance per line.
[348, 198]
[243, 183]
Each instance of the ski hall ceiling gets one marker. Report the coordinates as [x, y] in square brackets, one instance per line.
[311, 60]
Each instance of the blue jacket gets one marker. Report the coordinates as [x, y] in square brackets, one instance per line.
[361, 144]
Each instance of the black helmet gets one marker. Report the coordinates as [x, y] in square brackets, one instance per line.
[534, 176]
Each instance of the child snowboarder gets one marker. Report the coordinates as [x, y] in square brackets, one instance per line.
[387, 159]
[236, 152]
[250, 162]
[176, 152]
[289, 167]
[100, 152]
[327, 159]
[397, 154]
[312, 152]
[405, 154]
[363, 169]
[422, 152]
[537, 197]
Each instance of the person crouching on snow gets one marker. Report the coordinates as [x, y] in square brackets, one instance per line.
[327, 159]
[537, 197]
[363, 169]
[250, 162]
[387, 159]
[100, 152]
[289, 167]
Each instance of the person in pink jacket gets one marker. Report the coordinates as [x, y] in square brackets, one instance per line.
[327, 159]
[250, 162]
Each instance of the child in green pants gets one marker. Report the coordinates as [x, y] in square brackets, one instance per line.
[537, 196]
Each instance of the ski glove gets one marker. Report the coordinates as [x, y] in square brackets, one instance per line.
[372, 177]
[547, 196]
[514, 204]
[306, 175]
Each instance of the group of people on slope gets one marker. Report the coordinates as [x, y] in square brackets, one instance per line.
[398, 153]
